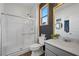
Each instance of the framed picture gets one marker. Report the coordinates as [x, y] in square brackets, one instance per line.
[58, 25]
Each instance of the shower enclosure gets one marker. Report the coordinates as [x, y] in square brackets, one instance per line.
[17, 33]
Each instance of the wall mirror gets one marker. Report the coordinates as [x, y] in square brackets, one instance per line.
[66, 26]
[58, 26]
[58, 23]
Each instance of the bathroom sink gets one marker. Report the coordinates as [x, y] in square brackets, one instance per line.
[66, 39]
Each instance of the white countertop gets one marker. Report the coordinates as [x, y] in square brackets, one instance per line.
[72, 47]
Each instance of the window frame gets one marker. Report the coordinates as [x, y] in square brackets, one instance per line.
[41, 17]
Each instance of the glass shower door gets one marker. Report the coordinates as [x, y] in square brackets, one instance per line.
[17, 34]
[12, 39]
[29, 33]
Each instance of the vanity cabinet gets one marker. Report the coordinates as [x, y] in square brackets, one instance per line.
[51, 50]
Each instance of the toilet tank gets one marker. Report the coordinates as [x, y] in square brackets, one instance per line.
[41, 40]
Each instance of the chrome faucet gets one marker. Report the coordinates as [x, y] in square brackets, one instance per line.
[67, 39]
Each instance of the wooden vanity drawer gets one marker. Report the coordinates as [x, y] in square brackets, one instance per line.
[57, 51]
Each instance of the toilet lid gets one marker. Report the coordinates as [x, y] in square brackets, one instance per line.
[35, 45]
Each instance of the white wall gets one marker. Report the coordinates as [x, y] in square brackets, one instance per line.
[16, 35]
[69, 12]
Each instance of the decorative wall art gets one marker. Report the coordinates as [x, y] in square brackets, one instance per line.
[58, 23]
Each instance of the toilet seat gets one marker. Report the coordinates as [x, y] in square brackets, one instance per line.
[35, 47]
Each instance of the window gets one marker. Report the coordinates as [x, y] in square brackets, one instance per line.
[44, 16]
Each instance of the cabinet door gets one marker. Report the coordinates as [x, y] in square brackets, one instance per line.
[49, 53]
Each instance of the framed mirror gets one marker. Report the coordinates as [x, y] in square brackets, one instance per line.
[58, 26]
[66, 26]
[58, 23]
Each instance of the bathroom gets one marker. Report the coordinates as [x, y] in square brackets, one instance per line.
[39, 29]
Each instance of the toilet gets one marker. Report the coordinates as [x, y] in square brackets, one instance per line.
[37, 48]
